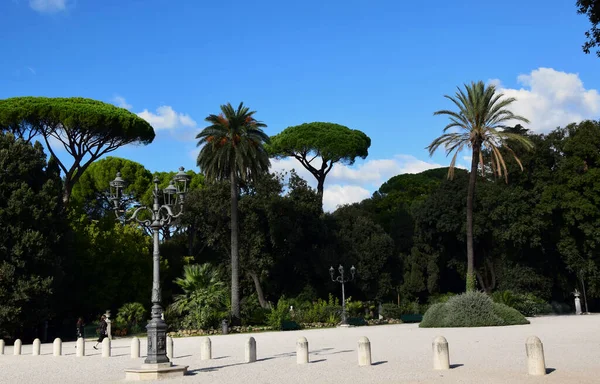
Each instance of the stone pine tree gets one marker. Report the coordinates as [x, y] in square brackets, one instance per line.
[318, 146]
[86, 128]
[481, 120]
[32, 222]
[232, 148]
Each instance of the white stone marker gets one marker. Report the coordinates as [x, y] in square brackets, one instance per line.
[135, 348]
[57, 347]
[80, 347]
[1, 347]
[302, 351]
[441, 353]
[37, 345]
[250, 350]
[536, 363]
[17, 347]
[170, 347]
[106, 347]
[364, 351]
[205, 348]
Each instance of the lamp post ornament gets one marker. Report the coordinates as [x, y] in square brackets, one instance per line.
[161, 216]
[342, 279]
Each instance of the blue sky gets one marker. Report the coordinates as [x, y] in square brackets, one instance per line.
[380, 66]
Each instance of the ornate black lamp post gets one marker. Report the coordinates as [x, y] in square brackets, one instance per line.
[161, 217]
[342, 279]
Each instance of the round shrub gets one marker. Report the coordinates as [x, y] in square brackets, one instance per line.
[471, 309]
[433, 316]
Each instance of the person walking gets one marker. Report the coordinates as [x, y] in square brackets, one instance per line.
[102, 330]
[79, 331]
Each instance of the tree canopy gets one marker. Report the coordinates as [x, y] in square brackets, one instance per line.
[86, 128]
[591, 8]
[330, 143]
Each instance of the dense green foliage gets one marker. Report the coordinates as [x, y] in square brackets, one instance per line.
[534, 241]
[32, 225]
[131, 316]
[471, 309]
[86, 128]
[591, 8]
[328, 143]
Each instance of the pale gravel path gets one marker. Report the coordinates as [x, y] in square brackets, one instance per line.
[402, 354]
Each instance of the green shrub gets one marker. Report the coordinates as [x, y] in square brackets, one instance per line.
[251, 311]
[526, 303]
[354, 308]
[471, 309]
[279, 314]
[131, 316]
[289, 325]
[433, 316]
[356, 321]
[391, 311]
[510, 315]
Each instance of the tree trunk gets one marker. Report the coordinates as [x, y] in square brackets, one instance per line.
[68, 187]
[259, 291]
[235, 255]
[471, 279]
[320, 185]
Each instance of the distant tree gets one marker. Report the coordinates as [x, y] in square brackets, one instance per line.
[91, 193]
[233, 149]
[591, 8]
[481, 120]
[32, 224]
[87, 129]
[330, 143]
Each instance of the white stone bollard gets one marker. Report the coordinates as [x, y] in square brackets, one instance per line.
[106, 347]
[17, 347]
[364, 351]
[302, 351]
[57, 347]
[80, 347]
[536, 363]
[1, 347]
[37, 345]
[135, 348]
[205, 348]
[170, 347]
[441, 353]
[250, 350]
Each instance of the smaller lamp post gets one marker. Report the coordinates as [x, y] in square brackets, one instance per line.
[342, 279]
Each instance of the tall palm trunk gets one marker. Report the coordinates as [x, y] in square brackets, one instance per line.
[235, 255]
[470, 197]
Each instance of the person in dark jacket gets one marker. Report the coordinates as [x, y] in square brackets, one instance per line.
[102, 330]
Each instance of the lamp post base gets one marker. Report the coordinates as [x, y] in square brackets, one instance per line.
[155, 372]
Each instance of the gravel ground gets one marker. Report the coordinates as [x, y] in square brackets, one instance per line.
[401, 354]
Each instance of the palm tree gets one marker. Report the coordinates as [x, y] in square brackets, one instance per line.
[204, 295]
[233, 149]
[481, 124]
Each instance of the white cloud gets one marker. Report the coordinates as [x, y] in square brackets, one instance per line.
[551, 98]
[32, 70]
[166, 118]
[121, 102]
[345, 184]
[48, 6]
[336, 195]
